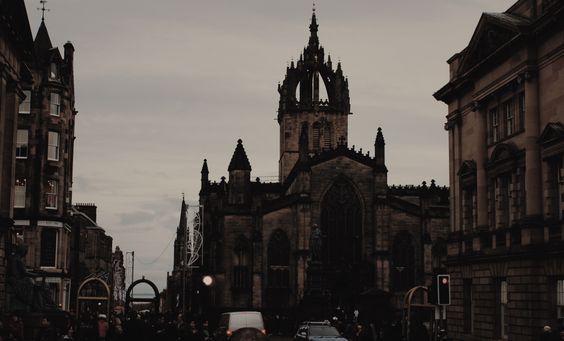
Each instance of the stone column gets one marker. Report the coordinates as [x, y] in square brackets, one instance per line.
[533, 186]
[481, 159]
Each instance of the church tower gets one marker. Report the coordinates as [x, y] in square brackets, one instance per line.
[315, 97]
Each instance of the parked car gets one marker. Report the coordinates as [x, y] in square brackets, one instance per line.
[318, 331]
[240, 326]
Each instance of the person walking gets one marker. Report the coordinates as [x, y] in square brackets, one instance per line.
[194, 334]
[14, 328]
[103, 327]
[47, 332]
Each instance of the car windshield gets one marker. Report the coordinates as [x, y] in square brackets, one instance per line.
[323, 331]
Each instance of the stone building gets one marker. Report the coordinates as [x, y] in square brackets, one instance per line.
[91, 248]
[374, 236]
[44, 162]
[16, 50]
[506, 143]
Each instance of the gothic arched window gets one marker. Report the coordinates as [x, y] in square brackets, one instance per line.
[279, 260]
[403, 262]
[316, 136]
[241, 264]
[278, 281]
[341, 225]
[328, 135]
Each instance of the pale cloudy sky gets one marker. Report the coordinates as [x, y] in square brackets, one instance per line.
[161, 85]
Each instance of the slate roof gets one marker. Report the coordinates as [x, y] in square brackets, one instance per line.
[509, 20]
[42, 41]
[14, 22]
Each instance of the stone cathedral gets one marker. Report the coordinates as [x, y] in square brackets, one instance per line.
[375, 237]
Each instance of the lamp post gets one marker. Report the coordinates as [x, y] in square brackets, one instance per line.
[208, 281]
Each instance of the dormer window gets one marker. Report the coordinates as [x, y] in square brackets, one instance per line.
[53, 71]
[55, 104]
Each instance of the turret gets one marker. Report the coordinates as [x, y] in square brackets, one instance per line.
[380, 169]
[205, 176]
[379, 149]
[239, 176]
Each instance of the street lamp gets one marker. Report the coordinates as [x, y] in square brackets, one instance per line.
[207, 280]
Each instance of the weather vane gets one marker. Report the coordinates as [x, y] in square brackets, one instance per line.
[43, 9]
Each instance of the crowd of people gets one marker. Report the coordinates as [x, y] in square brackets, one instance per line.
[98, 327]
[169, 327]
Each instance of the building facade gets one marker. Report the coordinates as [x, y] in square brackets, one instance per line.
[44, 146]
[91, 248]
[16, 50]
[373, 236]
[506, 144]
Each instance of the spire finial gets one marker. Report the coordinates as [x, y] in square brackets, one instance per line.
[182, 196]
[43, 9]
[313, 26]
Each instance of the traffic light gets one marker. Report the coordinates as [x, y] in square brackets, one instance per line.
[443, 289]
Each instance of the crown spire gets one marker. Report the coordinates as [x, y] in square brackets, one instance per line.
[313, 39]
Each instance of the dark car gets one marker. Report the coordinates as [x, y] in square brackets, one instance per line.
[318, 331]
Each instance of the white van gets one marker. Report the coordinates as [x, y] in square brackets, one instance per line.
[230, 323]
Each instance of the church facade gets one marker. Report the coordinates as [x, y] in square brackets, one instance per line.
[374, 236]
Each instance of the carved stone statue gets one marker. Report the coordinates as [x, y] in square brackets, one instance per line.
[24, 293]
[315, 242]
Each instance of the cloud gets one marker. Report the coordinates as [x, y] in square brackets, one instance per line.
[134, 218]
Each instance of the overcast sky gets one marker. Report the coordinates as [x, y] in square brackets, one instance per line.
[161, 85]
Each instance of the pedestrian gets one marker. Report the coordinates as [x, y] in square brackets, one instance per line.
[102, 327]
[181, 328]
[14, 328]
[159, 329]
[547, 334]
[68, 334]
[194, 334]
[47, 332]
[419, 332]
[206, 330]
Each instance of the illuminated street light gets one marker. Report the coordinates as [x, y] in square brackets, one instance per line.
[207, 280]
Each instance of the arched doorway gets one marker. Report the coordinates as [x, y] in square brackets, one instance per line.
[278, 280]
[93, 298]
[341, 226]
[153, 301]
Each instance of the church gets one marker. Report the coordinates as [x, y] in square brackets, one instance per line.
[374, 236]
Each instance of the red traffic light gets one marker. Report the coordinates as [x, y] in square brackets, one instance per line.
[444, 280]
